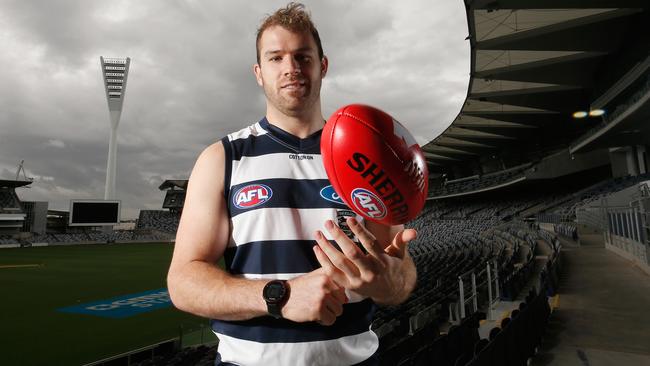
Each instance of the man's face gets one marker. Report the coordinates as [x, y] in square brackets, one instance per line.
[290, 70]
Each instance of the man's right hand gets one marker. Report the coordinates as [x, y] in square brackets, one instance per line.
[314, 297]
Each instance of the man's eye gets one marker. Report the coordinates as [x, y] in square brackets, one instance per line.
[276, 58]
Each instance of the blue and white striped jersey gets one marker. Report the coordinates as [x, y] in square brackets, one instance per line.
[278, 195]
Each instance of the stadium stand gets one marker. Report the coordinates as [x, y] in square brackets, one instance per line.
[8, 200]
[175, 194]
[564, 210]
[164, 221]
[478, 183]
[12, 215]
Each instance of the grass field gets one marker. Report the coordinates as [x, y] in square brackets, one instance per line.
[35, 282]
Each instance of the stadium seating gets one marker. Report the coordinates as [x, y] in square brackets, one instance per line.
[480, 182]
[8, 239]
[8, 200]
[564, 209]
[567, 229]
[164, 221]
[517, 340]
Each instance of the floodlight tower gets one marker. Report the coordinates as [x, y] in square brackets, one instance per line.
[115, 72]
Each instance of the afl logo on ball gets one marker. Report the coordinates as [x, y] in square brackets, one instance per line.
[252, 195]
[368, 203]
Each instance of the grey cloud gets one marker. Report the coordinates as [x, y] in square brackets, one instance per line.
[191, 82]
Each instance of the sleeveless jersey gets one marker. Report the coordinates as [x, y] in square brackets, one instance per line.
[278, 195]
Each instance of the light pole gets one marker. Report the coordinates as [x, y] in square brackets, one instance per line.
[115, 72]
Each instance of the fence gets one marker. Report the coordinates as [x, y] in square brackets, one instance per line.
[195, 335]
[628, 231]
[189, 335]
[484, 281]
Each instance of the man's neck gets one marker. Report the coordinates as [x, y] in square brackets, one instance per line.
[300, 126]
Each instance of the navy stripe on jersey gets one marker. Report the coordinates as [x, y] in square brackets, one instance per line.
[291, 193]
[273, 256]
[356, 318]
[309, 143]
[228, 164]
[266, 144]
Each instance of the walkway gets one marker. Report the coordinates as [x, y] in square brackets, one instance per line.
[603, 314]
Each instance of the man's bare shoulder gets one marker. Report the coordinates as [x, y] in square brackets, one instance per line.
[210, 161]
[214, 151]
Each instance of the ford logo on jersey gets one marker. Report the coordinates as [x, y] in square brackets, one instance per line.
[368, 203]
[330, 194]
[252, 195]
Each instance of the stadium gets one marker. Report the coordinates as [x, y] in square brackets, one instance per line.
[533, 247]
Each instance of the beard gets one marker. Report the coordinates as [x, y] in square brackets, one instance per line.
[293, 102]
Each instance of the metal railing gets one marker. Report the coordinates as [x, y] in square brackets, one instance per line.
[490, 284]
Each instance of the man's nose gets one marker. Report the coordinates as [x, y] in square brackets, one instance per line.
[292, 66]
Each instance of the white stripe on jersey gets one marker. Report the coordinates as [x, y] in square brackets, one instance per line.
[279, 223]
[255, 130]
[343, 351]
[268, 276]
[278, 165]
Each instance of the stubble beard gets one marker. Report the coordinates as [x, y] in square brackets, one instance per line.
[290, 104]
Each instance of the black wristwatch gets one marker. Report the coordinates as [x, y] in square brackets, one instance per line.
[275, 294]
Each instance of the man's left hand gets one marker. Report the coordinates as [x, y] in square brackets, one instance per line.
[385, 273]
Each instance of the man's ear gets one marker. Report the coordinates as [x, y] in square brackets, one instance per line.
[324, 64]
[257, 70]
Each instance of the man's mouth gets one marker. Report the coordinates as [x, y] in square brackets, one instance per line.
[293, 85]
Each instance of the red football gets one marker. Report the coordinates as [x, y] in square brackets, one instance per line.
[374, 164]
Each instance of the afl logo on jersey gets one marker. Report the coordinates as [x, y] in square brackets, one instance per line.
[330, 194]
[368, 203]
[252, 195]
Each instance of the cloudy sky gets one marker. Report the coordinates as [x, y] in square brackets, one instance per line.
[191, 82]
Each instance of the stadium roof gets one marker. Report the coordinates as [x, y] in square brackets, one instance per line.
[533, 64]
[171, 184]
[14, 183]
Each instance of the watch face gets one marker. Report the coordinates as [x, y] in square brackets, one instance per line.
[274, 291]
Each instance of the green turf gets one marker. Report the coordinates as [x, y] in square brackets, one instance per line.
[32, 332]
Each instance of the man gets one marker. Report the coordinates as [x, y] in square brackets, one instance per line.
[288, 296]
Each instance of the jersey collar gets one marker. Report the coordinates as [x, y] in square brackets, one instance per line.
[296, 142]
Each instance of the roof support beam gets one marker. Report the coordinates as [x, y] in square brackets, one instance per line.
[591, 33]
[437, 149]
[555, 4]
[555, 98]
[525, 118]
[574, 69]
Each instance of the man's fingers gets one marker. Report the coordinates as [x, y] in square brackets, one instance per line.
[334, 306]
[329, 269]
[408, 235]
[400, 242]
[339, 295]
[347, 246]
[362, 263]
[335, 257]
[367, 239]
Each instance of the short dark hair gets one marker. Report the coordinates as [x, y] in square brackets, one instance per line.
[293, 18]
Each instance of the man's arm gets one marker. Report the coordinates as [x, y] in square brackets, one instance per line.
[386, 273]
[196, 285]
